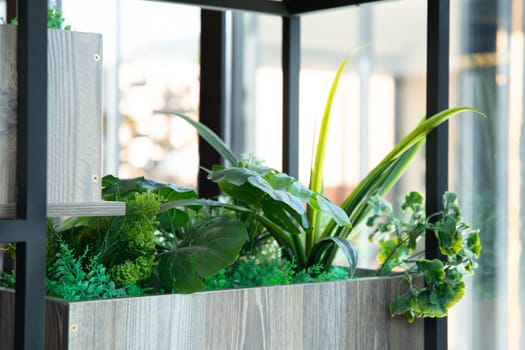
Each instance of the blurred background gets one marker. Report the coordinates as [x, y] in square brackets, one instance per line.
[151, 62]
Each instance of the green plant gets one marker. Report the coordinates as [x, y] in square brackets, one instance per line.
[277, 201]
[306, 225]
[186, 245]
[69, 278]
[397, 237]
[265, 271]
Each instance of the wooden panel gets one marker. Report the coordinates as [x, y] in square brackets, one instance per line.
[57, 313]
[86, 209]
[157, 322]
[75, 112]
[74, 123]
[336, 315]
[7, 319]
[8, 105]
[73, 209]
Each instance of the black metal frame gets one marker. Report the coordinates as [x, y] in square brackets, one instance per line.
[437, 141]
[28, 229]
[281, 8]
[291, 62]
[212, 75]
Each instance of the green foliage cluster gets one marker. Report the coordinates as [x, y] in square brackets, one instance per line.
[125, 245]
[7, 280]
[309, 229]
[255, 272]
[173, 249]
[72, 278]
[397, 238]
[153, 248]
[75, 278]
[54, 20]
[306, 225]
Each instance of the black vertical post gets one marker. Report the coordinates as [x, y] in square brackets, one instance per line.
[437, 141]
[29, 229]
[10, 10]
[291, 62]
[212, 94]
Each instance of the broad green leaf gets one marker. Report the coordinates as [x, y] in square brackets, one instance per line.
[114, 188]
[326, 206]
[451, 204]
[291, 202]
[414, 200]
[450, 239]
[209, 136]
[423, 305]
[249, 187]
[281, 235]
[209, 246]
[170, 220]
[347, 247]
[281, 181]
[446, 294]
[301, 192]
[241, 184]
[401, 304]
[433, 270]
[474, 243]
[277, 212]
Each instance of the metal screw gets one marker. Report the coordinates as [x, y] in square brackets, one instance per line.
[94, 178]
[74, 328]
[96, 57]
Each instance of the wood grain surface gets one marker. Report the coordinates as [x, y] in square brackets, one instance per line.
[74, 119]
[333, 315]
[56, 322]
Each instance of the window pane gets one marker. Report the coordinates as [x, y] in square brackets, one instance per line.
[151, 63]
[2, 9]
[487, 169]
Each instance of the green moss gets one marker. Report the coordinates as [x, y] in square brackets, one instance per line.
[254, 272]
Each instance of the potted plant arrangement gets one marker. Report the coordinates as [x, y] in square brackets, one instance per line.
[236, 272]
[74, 120]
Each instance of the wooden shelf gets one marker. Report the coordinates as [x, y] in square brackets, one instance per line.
[102, 208]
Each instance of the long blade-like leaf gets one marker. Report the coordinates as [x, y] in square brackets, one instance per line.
[387, 172]
[316, 174]
[324, 245]
[317, 169]
[208, 135]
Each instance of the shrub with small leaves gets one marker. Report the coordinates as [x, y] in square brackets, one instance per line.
[69, 279]
[397, 238]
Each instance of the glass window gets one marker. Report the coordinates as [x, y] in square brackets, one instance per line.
[2, 9]
[487, 169]
[151, 63]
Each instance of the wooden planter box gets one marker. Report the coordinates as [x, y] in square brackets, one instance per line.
[332, 315]
[74, 124]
